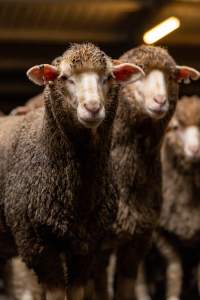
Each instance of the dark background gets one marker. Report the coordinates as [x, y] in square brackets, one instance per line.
[36, 31]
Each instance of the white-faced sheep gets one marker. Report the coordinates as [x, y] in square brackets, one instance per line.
[56, 193]
[144, 111]
[179, 230]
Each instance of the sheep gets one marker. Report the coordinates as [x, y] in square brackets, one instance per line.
[57, 202]
[144, 111]
[33, 103]
[181, 180]
[179, 226]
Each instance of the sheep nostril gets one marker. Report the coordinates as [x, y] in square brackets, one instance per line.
[93, 108]
[159, 99]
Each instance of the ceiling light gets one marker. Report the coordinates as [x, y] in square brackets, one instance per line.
[161, 30]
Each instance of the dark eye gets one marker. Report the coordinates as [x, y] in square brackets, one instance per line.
[63, 77]
[71, 81]
[175, 127]
[107, 78]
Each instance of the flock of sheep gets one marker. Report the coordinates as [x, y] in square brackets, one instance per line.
[100, 167]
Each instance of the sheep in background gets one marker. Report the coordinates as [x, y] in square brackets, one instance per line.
[181, 179]
[21, 283]
[31, 104]
[179, 229]
[56, 193]
[143, 114]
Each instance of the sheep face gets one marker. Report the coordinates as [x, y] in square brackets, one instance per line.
[151, 92]
[183, 136]
[156, 94]
[86, 92]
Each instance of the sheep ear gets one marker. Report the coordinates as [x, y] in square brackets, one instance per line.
[42, 74]
[126, 72]
[185, 74]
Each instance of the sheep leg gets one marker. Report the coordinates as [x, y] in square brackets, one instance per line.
[129, 257]
[141, 287]
[103, 277]
[198, 278]
[79, 270]
[2, 269]
[51, 275]
[174, 272]
[75, 292]
[44, 261]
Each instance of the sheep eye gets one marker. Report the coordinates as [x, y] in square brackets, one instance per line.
[63, 77]
[175, 127]
[70, 81]
[107, 78]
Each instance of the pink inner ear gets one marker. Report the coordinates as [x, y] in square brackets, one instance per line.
[50, 73]
[183, 74]
[124, 73]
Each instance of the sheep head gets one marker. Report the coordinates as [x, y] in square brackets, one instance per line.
[154, 92]
[183, 134]
[86, 78]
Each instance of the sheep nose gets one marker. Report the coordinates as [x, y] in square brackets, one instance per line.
[160, 99]
[92, 107]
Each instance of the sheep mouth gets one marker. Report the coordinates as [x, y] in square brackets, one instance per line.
[157, 112]
[90, 122]
[192, 158]
[89, 119]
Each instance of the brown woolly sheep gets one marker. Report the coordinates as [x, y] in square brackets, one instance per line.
[180, 223]
[57, 200]
[144, 111]
[143, 114]
[181, 180]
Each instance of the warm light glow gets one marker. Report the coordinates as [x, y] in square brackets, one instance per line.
[161, 30]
